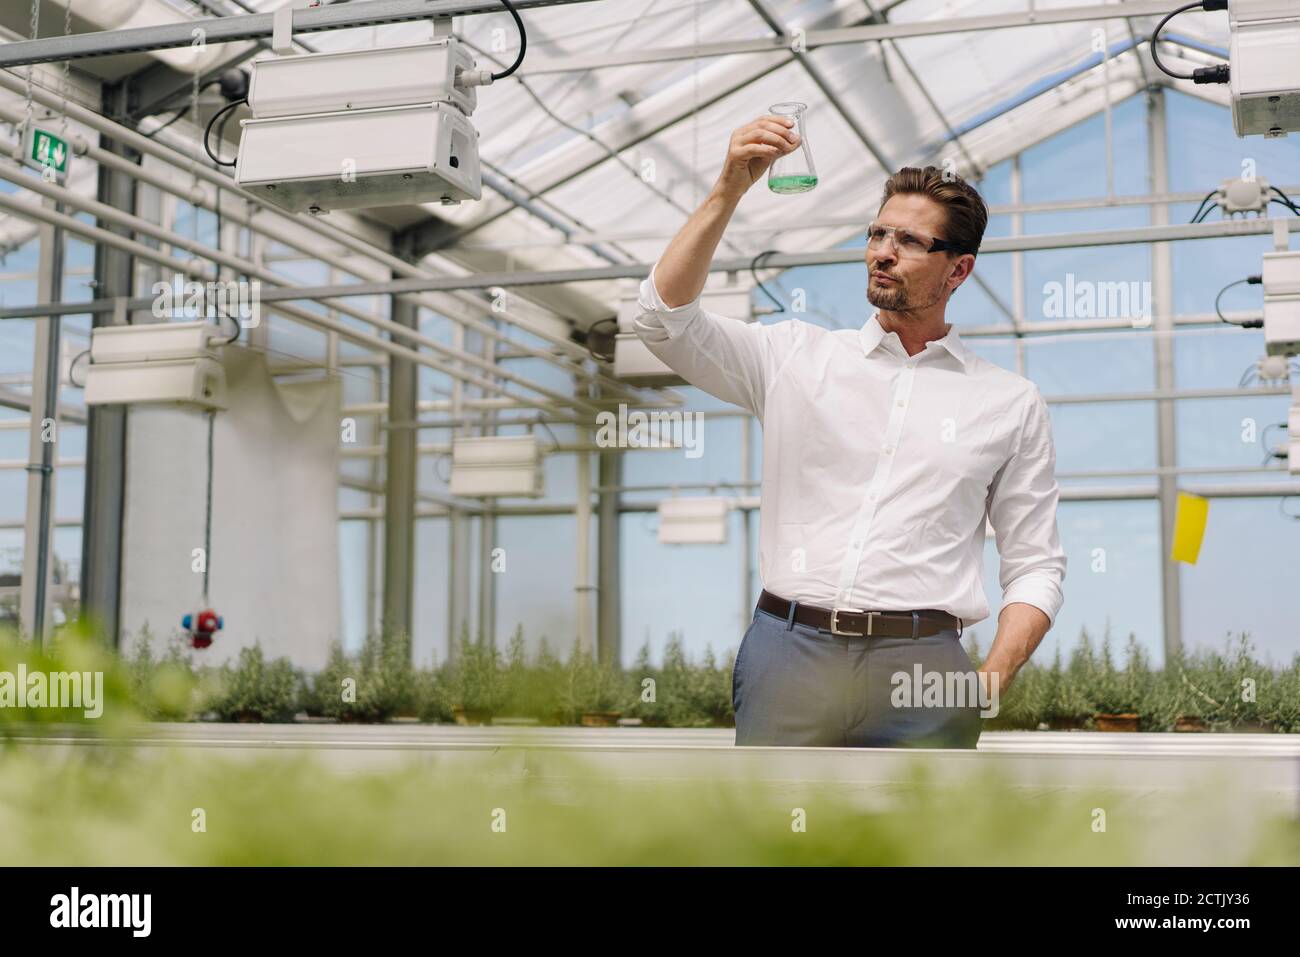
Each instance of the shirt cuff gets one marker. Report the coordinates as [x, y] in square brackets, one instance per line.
[1041, 592]
[672, 318]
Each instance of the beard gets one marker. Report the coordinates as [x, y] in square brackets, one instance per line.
[891, 298]
[896, 297]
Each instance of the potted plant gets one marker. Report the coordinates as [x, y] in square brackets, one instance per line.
[377, 685]
[641, 686]
[710, 688]
[257, 690]
[476, 681]
[1027, 704]
[528, 692]
[1069, 690]
[1119, 693]
[1123, 721]
[592, 690]
[433, 696]
[1252, 726]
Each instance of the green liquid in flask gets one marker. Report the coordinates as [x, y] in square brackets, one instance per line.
[792, 184]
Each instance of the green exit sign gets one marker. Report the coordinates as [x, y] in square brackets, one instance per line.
[49, 150]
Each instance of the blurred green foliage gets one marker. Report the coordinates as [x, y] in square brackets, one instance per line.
[113, 806]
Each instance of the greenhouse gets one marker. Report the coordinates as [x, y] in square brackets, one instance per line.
[787, 392]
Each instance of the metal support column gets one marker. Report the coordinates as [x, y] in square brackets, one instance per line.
[105, 475]
[1162, 276]
[34, 599]
[609, 609]
[400, 481]
[460, 558]
[487, 581]
[1018, 297]
[747, 598]
[374, 573]
[582, 586]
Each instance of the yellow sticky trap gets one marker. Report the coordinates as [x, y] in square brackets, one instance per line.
[1189, 526]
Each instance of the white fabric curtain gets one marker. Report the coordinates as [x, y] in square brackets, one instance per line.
[274, 563]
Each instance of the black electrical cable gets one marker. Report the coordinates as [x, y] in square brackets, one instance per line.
[238, 328]
[1155, 35]
[158, 129]
[753, 271]
[832, 322]
[523, 43]
[1270, 453]
[592, 352]
[1208, 196]
[543, 424]
[1213, 74]
[133, 118]
[216, 209]
[1286, 200]
[72, 365]
[207, 134]
[1249, 323]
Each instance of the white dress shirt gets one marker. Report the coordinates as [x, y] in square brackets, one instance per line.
[880, 468]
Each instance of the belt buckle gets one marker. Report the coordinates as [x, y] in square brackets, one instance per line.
[835, 613]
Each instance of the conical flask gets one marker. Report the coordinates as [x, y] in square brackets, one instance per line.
[794, 172]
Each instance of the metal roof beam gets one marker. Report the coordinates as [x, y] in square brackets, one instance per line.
[644, 121]
[827, 257]
[815, 73]
[856, 34]
[252, 26]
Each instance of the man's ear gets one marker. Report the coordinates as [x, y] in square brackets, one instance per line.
[964, 265]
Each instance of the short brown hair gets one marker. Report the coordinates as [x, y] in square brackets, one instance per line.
[963, 207]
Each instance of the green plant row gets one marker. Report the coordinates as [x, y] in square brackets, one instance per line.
[379, 683]
[1210, 690]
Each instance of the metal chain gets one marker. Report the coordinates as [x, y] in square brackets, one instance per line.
[207, 526]
[27, 112]
[695, 112]
[63, 107]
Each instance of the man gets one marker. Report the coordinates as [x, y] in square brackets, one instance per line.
[885, 450]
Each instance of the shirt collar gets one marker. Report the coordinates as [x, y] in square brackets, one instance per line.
[873, 332]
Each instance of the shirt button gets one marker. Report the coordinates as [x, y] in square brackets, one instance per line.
[889, 450]
[871, 497]
[899, 403]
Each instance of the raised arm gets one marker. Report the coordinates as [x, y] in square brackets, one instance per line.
[684, 265]
[725, 357]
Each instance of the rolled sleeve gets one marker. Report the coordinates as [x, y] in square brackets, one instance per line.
[1022, 506]
[730, 359]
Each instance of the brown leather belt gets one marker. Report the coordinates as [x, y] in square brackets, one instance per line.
[852, 623]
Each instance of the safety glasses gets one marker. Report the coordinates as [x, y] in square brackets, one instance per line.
[909, 243]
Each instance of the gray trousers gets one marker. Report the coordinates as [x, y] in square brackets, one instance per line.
[798, 686]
